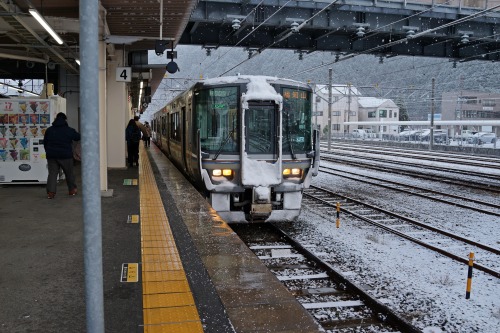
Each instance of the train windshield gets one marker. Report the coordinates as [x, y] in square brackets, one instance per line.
[260, 121]
[216, 117]
[296, 121]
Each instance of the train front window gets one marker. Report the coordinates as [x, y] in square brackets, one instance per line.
[216, 117]
[296, 121]
[260, 121]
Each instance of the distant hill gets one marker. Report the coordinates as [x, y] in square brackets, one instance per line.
[406, 80]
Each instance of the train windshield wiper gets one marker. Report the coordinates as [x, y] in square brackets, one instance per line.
[223, 143]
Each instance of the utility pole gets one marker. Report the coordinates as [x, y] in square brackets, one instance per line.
[330, 75]
[431, 138]
[348, 105]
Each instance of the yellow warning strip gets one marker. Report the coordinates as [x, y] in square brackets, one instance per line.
[168, 303]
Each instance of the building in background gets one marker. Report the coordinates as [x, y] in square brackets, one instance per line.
[381, 110]
[470, 105]
[349, 106]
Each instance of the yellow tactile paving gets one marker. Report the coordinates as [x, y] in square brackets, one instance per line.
[161, 266]
[168, 304]
[171, 314]
[179, 275]
[153, 287]
[160, 257]
[168, 251]
[166, 300]
[174, 327]
[158, 243]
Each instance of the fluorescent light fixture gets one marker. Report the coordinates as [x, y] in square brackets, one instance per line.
[77, 61]
[44, 24]
[140, 95]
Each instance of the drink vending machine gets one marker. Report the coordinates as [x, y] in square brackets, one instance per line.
[23, 122]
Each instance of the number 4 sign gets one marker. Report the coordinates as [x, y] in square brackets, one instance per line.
[124, 74]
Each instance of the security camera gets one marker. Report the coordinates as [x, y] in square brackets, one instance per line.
[294, 27]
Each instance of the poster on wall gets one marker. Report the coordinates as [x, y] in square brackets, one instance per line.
[23, 123]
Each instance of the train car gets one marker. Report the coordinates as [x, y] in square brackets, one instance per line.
[246, 142]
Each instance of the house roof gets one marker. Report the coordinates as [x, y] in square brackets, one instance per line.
[374, 102]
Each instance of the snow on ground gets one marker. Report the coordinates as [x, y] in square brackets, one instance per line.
[429, 288]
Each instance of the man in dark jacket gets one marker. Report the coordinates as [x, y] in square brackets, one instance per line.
[58, 144]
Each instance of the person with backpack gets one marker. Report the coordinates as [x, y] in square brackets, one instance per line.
[133, 137]
[147, 137]
[58, 143]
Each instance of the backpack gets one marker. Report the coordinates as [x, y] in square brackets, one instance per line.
[135, 136]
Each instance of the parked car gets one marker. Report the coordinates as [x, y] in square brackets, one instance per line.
[440, 136]
[481, 138]
[465, 135]
[408, 135]
[370, 133]
[358, 133]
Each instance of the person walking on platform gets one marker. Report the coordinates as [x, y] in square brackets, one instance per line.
[133, 137]
[147, 137]
[141, 126]
[58, 144]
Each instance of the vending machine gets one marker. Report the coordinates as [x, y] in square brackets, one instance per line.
[23, 123]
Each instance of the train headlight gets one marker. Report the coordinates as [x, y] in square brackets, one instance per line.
[294, 172]
[222, 172]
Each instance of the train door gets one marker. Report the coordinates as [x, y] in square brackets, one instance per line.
[184, 139]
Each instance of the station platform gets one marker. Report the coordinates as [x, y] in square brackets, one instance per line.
[193, 273]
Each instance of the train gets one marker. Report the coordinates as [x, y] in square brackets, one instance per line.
[246, 142]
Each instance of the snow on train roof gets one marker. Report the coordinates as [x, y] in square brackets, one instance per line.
[232, 79]
[258, 86]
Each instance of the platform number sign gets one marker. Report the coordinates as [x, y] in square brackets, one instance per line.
[123, 74]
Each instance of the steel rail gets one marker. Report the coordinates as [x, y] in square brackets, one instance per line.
[429, 167]
[329, 171]
[412, 221]
[444, 179]
[423, 156]
[381, 312]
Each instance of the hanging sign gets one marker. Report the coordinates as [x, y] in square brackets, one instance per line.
[123, 74]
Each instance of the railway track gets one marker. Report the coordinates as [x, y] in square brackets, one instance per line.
[389, 167]
[333, 299]
[456, 159]
[448, 198]
[454, 246]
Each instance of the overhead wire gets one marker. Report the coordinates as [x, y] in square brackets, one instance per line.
[251, 11]
[460, 20]
[251, 32]
[281, 38]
